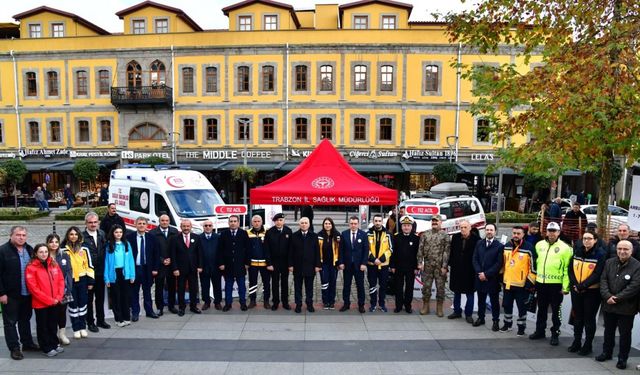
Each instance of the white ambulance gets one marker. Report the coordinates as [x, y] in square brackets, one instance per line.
[150, 192]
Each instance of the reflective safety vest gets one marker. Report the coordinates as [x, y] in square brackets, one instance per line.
[384, 252]
[552, 266]
[335, 247]
[257, 252]
[518, 267]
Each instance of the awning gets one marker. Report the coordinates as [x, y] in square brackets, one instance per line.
[378, 167]
[68, 165]
[39, 166]
[268, 166]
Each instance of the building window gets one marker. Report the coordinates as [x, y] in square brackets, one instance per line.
[244, 129]
[147, 132]
[244, 23]
[212, 129]
[431, 78]
[83, 131]
[430, 130]
[52, 84]
[268, 129]
[34, 132]
[55, 131]
[388, 22]
[187, 80]
[386, 78]
[138, 27]
[162, 26]
[35, 31]
[243, 79]
[301, 78]
[32, 84]
[189, 129]
[158, 73]
[105, 131]
[326, 128]
[104, 82]
[1, 133]
[211, 76]
[326, 78]
[360, 22]
[360, 78]
[301, 129]
[359, 129]
[268, 75]
[57, 30]
[271, 22]
[483, 130]
[81, 82]
[386, 129]
[134, 74]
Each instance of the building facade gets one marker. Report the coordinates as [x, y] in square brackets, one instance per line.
[269, 88]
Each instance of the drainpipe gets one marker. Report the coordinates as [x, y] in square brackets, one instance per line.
[173, 107]
[17, 104]
[286, 103]
[458, 77]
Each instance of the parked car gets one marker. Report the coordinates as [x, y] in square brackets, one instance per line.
[618, 214]
[453, 210]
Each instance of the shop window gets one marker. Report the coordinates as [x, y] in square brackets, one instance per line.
[34, 132]
[326, 128]
[52, 84]
[134, 74]
[243, 79]
[187, 80]
[105, 131]
[386, 129]
[139, 200]
[211, 76]
[81, 83]
[326, 78]
[104, 82]
[268, 129]
[158, 73]
[189, 129]
[55, 131]
[301, 78]
[84, 134]
[359, 129]
[32, 84]
[268, 75]
[431, 78]
[301, 129]
[360, 78]
[212, 129]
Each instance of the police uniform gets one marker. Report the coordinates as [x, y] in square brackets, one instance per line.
[259, 260]
[404, 263]
[433, 254]
[519, 277]
[380, 248]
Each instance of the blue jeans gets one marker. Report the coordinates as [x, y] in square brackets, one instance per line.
[468, 306]
[228, 289]
[69, 203]
[328, 277]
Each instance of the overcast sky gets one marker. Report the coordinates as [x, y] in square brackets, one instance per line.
[207, 13]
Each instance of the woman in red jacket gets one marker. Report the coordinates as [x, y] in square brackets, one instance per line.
[46, 284]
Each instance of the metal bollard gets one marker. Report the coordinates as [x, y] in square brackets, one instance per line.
[54, 227]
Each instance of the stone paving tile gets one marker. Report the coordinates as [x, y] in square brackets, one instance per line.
[336, 327]
[270, 326]
[334, 318]
[323, 335]
[418, 367]
[208, 334]
[393, 326]
[264, 368]
[272, 335]
[214, 326]
[156, 333]
[194, 367]
[480, 354]
[565, 364]
[496, 366]
[96, 366]
[333, 368]
[276, 318]
[400, 335]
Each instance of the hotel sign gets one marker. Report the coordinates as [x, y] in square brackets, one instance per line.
[428, 154]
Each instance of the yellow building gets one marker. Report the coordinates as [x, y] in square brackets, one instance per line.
[269, 88]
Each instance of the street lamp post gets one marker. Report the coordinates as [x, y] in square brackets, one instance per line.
[451, 143]
[174, 153]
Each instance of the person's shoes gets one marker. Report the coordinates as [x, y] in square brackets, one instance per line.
[310, 308]
[160, 312]
[344, 308]
[106, 325]
[17, 354]
[520, 331]
[206, 306]
[59, 349]
[469, 319]
[603, 357]
[119, 324]
[372, 309]
[440, 309]
[479, 322]
[76, 335]
[181, 312]
[252, 304]
[93, 328]
[243, 307]
[496, 326]
[622, 364]
[267, 306]
[286, 306]
[298, 309]
[126, 323]
[536, 335]
[152, 316]
[506, 327]
[135, 318]
[217, 306]
[226, 307]
[383, 308]
[575, 346]
[83, 333]
[426, 308]
[274, 307]
[409, 310]
[585, 350]
[454, 315]
[332, 306]
[51, 353]
[195, 310]
[31, 348]
[554, 340]
[397, 310]
[361, 309]
[173, 310]
[62, 337]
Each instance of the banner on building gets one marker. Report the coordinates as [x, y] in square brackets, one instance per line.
[634, 207]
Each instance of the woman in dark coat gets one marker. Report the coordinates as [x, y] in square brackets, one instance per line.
[462, 277]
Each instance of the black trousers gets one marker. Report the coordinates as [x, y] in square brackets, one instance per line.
[208, 277]
[96, 294]
[624, 323]
[280, 285]
[47, 328]
[161, 281]
[172, 283]
[494, 298]
[192, 279]
[403, 282]
[549, 295]
[62, 316]
[348, 274]
[265, 275]
[120, 297]
[308, 289]
[585, 307]
[18, 312]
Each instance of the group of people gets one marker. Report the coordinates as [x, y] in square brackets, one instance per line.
[70, 275]
[42, 196]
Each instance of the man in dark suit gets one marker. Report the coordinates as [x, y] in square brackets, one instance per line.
[277, 242]
[162, 234]
[210, 271]
[147, 261]
[487, 262]
[304, 262]
[186, 255]
[404, 263]
[94, 240]
[354, 250]
[233, 258]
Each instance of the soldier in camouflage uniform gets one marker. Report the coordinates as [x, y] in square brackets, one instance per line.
[433, 260]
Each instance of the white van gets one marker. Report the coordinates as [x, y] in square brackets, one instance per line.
[453, 210]
[150, 192]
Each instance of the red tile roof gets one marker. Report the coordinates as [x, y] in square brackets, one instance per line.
[73, 16]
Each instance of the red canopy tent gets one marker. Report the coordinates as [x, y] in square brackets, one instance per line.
[324, 178]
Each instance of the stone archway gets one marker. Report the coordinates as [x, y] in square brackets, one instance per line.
[147, 131]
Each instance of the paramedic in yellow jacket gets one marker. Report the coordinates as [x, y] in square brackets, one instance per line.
[519, 277]
[329, 241]
[380, 250]
[83, 280]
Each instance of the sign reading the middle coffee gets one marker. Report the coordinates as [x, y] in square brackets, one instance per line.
[227, 155]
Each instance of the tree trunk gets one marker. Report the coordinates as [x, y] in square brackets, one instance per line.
[603, 198]
[15, 197]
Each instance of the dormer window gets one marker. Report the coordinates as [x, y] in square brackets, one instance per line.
[360, 22]
[245, 23]
[162, 26]
[57, 30]
[35, 31]
[271, 22]
[138, 27]
[389, 22]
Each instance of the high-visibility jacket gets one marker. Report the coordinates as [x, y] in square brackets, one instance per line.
[45, 282]
[335, 247]
[258, 254]
[585, 268]
[518, 267]
[81, 264]
[552, 265]
[383, 253]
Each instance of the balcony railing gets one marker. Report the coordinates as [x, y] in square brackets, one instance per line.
[140, 95]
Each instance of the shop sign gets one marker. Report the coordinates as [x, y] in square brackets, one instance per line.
[482, 157]
[24, 152]
[428, 154]
[300, 153]
[93, 154]
[372, 154]
[227, 155]
[143, 155]
[7, 155]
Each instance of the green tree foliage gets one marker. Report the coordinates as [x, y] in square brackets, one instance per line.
[15, 172]
[445, 172]
[86, 170]
[579, 102]
[241, 173]
[153, 161]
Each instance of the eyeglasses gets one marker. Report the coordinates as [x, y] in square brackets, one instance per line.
[588, 238]
[208, 225]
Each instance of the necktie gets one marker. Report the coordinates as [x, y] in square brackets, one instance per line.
[165, 233]
[208, 236]
[186, 241]
[488, 243]
[353, 238]
[233, 233]
[142, 254]
[304, 234]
